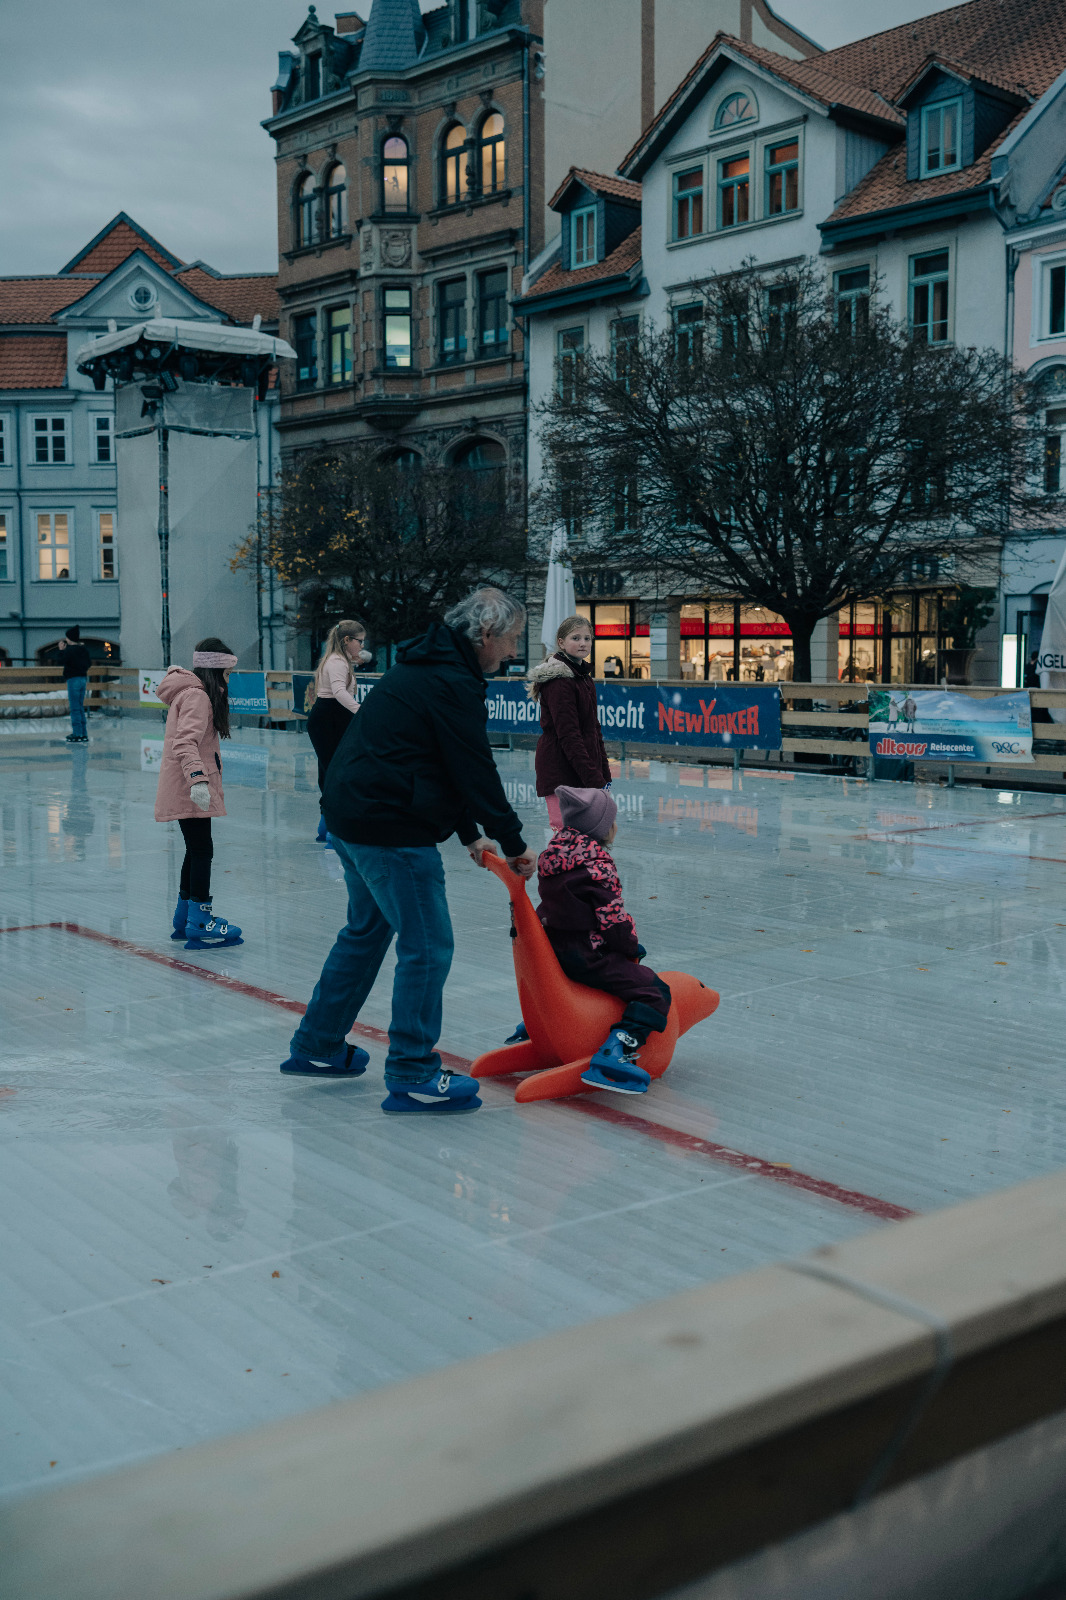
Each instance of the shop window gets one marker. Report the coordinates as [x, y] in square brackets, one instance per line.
[305, 343]
[929, 297]
[53, 545]
[395, 173]
[1055, 297]
[107, 567]
[5, 570]
[852, 293]
[782, 178]
[625, 342]
[398, 330]
[50, 441]
[688, 203]
[689, 324]
[340, 344]
[456, 185]
[734, 190]
[941, 150]
[569, 350]
[337, 202]
[306, 211]
[1054, 428]
[493, 154]
[451, 319]
[492, 312]
[583, 236]
[101, 443]
[736, 108]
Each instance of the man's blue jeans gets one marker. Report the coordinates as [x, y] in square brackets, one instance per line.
[76, 700]
[391, 891]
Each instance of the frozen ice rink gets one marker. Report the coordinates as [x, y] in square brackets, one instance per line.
[194, 1244]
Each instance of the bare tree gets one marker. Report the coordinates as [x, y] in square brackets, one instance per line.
[784, 447]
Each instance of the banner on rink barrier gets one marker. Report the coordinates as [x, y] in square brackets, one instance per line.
[939, 725]
[301, 683]
[733, 716]
[248, 693]
[148, 681]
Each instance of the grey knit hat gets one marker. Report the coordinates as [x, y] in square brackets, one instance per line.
[590, 811]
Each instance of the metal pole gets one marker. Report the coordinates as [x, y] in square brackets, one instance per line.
[951, 776]
[164, 539]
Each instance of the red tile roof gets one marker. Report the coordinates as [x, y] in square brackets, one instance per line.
[33, 361]
[239, 297]
[38, 299]
[119, 240]
[558, 278]
[600, 183]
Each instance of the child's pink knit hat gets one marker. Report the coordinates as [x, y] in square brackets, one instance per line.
[590, 811]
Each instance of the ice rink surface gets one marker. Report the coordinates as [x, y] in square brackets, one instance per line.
[194, 1244]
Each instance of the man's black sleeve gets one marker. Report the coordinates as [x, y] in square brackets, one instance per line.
[464, 745]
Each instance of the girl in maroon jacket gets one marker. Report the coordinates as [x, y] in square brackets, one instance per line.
[570, 748]
[594, 937]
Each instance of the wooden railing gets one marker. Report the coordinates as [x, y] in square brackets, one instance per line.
[18, 681]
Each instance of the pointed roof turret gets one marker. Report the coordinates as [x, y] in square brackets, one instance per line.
[393, 38]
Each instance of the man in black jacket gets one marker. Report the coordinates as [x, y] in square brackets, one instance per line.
[76, 662]
[413, 768]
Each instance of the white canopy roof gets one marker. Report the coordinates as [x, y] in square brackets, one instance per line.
[210, 336]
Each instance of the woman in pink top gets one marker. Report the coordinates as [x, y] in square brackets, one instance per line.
[334, 703]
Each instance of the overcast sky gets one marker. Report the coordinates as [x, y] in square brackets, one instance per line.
[153, 107]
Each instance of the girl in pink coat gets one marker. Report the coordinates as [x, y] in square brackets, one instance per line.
[190, 784]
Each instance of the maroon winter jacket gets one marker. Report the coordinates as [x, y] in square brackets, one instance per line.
[570, 748]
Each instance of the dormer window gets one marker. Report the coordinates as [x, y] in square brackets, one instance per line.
[736, 108]
[583, 237]
[941, 144]
[313, 76]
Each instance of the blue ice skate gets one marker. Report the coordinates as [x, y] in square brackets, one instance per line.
[320, 836]
[329, 842]
[519, 1036]
[347, 1062]
[443, 1092]
[614, 1066]
[181, 917]
[208, 932]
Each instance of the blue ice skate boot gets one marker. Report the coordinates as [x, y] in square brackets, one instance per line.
[347, 1062]
[443, 1092]
[329, 842]
[614, 1066]
[206, 931]
[320, 836]
[519, 1036]
[181, 917]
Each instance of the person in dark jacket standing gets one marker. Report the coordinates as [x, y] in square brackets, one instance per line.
[76, 662]
[413, 768]
[570, 748]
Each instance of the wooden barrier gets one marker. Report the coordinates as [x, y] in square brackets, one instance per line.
[18, 681]
[608, 1462]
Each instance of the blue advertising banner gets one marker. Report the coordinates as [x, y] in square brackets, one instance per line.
[734, 716]
[248, 693]
[939, 725]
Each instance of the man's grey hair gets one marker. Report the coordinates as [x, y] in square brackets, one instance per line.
[488, 609]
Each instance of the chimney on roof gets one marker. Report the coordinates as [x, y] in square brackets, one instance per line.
[349, 22]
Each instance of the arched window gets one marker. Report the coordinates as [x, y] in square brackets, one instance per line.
[493, 154]
[480, 455]
[306, 210]
[395, 169]
[456, 172]
[337, 202]
[736, 108]
[477, 492]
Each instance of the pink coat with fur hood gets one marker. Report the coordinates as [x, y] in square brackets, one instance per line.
[190, 745]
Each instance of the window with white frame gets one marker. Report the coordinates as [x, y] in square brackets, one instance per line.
[53, 545]
[5, 569]
[101, 433]
[930, 297]
[739, 107]
[50, 441]
[1054, 301]
[5, 454]
[941, 145]
[583, 236]
[107, 552]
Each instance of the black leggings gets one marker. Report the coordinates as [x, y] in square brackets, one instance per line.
[327, 724]
[195, 883]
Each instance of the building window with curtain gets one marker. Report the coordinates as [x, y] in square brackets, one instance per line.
[569, 350]
[306, 211]
[305, 343]
[395, 174]
[53, 545]
[398, 330]
[734, 190]
[782, 178]
[929, 297]
[852, 294]
[941, 150]
[340, 344]
[50, 441]
[451, 320]
[456, 185]
[688, 203]
[492, 312]
[493, 154]
[107, 568]
[337, 202]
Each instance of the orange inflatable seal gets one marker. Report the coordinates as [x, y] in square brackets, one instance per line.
[566, 1021]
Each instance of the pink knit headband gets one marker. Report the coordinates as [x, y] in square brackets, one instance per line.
[212, 658]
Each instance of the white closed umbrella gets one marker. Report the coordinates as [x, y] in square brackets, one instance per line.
[1052, 658]
[559, 601]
